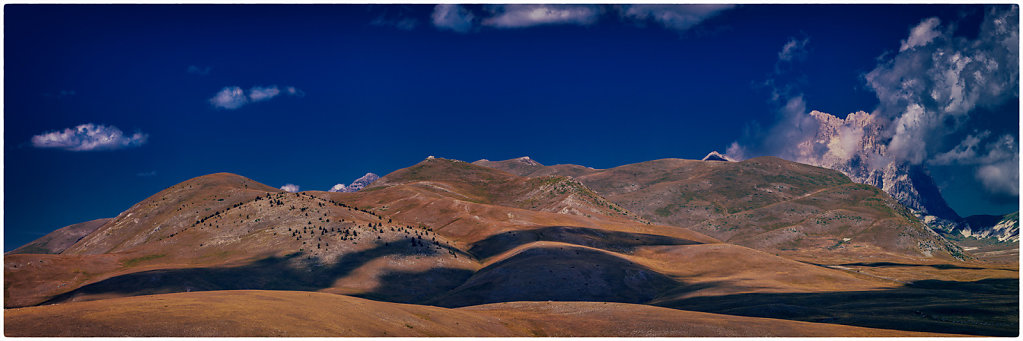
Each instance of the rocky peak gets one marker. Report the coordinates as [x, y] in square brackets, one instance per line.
[356, 185]
[715, 156]
[855, 146]
[528, 161]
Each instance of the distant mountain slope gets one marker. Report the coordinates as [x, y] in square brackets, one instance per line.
[59, 240]
[474, 183]
[765, 203]
[1003, 228]
[525, 166]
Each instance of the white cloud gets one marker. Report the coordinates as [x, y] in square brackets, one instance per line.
[963, 152]
[292, 91]
[1001, 177]
[233, 97]
[736, 151]
[515, 16]
[793, 49]
[89, 137]
[290, 188]
[922, 34]
[229, 98]
[674, 17]
[258, 93]
[452, 17]
[461, 19]
[997, 168]
[337, 188]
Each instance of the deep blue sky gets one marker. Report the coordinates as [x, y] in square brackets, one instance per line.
[378, 97]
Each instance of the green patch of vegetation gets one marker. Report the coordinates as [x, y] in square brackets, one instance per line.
[664, 211]
[137, 260]
[837, 245]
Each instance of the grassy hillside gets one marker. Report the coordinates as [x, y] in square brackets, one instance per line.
[765, 203]
[286, 313]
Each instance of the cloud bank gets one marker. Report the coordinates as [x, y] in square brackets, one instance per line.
[233, 97]
[673, 17]
[517, 16]
[462, 19]
[89, 137]
[452, 17]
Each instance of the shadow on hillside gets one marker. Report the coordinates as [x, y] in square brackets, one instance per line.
[416, 287]
[936, 266]
[621, 242]
[560, 273]
[292, 272]
[986, 307]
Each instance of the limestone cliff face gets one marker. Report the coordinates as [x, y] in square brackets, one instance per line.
[855, 146]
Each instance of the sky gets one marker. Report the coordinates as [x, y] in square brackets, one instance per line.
[105, 105]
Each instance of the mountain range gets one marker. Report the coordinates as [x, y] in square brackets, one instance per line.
[671, 247]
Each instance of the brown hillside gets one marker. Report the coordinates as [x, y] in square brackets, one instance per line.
[765, 203]
[288, 313]
[478, 184]
[250, 240]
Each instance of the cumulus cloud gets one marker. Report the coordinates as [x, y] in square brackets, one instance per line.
[338, 188]
[233, 97]
[452, 17]
[515, 16]
[230, 98]
[674, 17]
[89, 137]
[922, 34]
[965, 151]
[793, 49]
[1001, 177]
[258, 93]
[290, 188]
[929, 89]
[996, 163]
